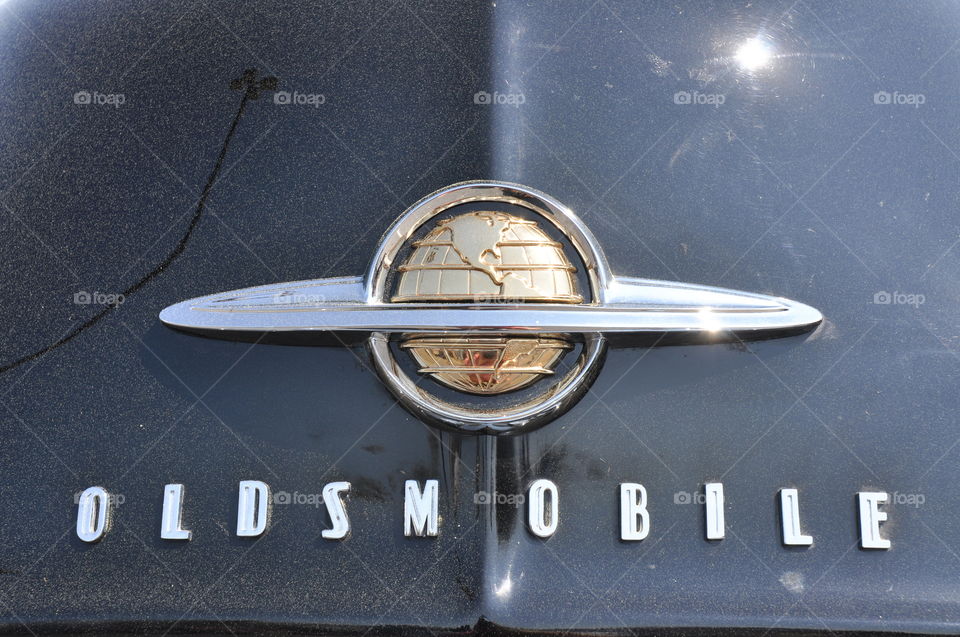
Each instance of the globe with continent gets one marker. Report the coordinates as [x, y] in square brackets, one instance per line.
[482, 257]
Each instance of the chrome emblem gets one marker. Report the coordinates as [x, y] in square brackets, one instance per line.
[485, 289]
[421, 511]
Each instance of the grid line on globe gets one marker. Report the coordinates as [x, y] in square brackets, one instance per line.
[487, 257]
[486, 365]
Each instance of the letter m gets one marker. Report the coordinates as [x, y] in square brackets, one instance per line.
[420, 508]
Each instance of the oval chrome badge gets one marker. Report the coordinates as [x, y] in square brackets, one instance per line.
[488, 308]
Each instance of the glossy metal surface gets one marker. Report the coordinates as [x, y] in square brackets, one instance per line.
[543, 508]
[618, 304]
[790, 519]
[334, 495]
[713, 500]
[485, 365]
[498, 255]
[644, 308]
[94, 514]
[421, 515]
[634, 516]
[518, 418]
[544, 205]
[171, 522]
[253, 508]
[799, 184]
[636, 307]
[871, 517]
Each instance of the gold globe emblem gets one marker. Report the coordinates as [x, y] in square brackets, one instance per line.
[487, 257]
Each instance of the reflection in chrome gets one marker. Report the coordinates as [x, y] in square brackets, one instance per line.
[870, 518]
[487, 302]
[486, 365]
[171, 521]
[93, 514]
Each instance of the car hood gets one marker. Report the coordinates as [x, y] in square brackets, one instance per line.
[153, 153]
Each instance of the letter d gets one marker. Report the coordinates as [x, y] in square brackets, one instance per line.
[252, 508]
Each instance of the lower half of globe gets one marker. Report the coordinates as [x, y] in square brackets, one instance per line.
[486, 364]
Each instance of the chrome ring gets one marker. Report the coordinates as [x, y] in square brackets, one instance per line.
[564, 219]
[524, 417]
[561, 394]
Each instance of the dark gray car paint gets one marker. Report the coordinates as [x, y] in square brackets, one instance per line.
[799, 184]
